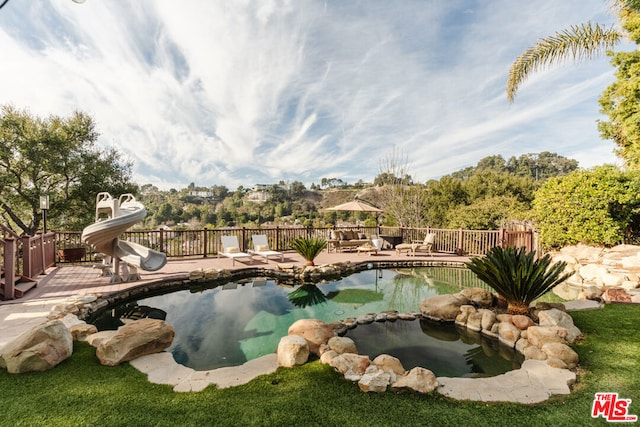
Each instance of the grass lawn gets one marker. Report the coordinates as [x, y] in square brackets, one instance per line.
[81, 392]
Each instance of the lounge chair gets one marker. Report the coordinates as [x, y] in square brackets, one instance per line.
[261, 248]
[231, 249]
[425, 245]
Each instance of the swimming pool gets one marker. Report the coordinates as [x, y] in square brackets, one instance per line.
[242, 320]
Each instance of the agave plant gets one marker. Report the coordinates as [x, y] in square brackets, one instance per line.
[309, 247]
[517, 276]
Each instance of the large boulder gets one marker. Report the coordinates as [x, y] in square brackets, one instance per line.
[522, 322]
[82, 331]
[443, 307]
[616, 295]
[374, 380]
[488, 319]
[555, 317]
[292, 350]
[540, 335]
[478, 297]
[316, 332]
[557, 350]
[418, 379]
[342, 345]
[593, 272]
[38, 349]
[352, 366]
[508, 333]
[97, 338]
[135, 339]
[387, 363]
[583, 253]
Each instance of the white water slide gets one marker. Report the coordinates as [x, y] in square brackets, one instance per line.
[114, 217]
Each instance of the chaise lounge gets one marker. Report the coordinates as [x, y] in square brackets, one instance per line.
[231, 249]
[261, 248]
[425, 245]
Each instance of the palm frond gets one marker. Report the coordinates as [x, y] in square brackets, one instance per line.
[578, 43]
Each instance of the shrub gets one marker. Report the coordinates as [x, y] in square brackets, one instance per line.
[517, 276]
[595, 207]
[309, 247]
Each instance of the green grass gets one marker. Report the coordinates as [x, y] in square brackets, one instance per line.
[81, 392]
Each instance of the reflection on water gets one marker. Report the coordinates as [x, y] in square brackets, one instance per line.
[240, 321]
[307, 295]
[444, 349]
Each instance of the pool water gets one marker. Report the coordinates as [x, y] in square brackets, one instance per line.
[445, 349]
[240, 321]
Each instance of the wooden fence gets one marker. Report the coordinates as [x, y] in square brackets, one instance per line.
[205, 242]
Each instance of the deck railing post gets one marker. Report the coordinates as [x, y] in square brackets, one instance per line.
[26, 256]
[204, 242]
[9, 267]
[460, 249]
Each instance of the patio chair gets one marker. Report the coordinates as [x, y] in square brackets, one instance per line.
[261, 248]
[231, 249]
[425, 245]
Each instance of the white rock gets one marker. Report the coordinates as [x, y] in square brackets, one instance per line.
[292, 350]
[612, 279]
[592, 272]
[555, 317]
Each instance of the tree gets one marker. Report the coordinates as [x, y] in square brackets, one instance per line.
[579, 42]
[404, 204]
[586, 41]
[541, 166]
[488, 214]
[599, 206]
[444, 196]
[57, 157]
[620, 102]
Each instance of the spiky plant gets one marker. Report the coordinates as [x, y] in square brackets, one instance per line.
[309, 247]
[517, 276]
[307, 295]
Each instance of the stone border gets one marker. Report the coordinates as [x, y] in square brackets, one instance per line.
[534, 382]
[286, 274]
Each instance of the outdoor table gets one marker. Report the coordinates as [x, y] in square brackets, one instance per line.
[392, 240]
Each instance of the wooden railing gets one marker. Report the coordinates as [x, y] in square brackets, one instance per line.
[206, 242]
[38, 254]
[24, 257]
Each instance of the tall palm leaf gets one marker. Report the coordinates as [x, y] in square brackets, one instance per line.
[578, 43]
[517, 276]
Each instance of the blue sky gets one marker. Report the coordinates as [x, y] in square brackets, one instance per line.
[243, 92]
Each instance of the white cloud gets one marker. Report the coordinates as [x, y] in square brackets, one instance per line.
[234, 93]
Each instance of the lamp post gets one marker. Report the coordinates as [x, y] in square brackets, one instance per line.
[44, 206]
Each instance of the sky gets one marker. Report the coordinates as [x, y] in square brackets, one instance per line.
[242, 92]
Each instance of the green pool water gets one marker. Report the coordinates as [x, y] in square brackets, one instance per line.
[240, 321]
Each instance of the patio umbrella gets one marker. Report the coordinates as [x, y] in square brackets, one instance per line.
[355, 206]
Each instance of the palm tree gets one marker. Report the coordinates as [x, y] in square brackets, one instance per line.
[309, 247]
[579, 42]
[517, 276]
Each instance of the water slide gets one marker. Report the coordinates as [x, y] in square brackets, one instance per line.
[114, 217]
